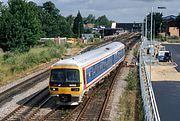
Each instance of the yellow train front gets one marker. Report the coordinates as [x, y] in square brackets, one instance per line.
[71, 78]
[66, 83]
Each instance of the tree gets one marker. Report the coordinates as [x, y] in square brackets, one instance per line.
[70, 20]
[78, 28]
[20, 27]
[103, 21]
[1, 5]
[159, 23]
[90, 19]
[50, 8]
[178, 21]
[53, 24]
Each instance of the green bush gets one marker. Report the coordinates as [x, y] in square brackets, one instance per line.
[96, 34]
[12, 63]
[78, 44]
[97, 40]
[54, 53]
[131, 79]
[68, 45]
[45, 56]
[19, 67]
[49, 43]
[173, 37]
[7, 56]
[135, 51]
[31, 59]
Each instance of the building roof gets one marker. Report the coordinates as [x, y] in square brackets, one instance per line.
[128, 26]
[170, 17]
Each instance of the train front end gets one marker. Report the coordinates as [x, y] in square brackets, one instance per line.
[66, 84]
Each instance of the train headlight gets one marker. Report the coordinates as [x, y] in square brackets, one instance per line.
[54, 89]
[74, 89]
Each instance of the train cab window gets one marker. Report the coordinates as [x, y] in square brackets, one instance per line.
[57, 76]
[60, 76]
[72, 76]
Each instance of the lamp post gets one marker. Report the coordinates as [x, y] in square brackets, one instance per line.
[151, 49]
[151, 24]
[151, 42]
[146, 28]
[143, 34]
[160, 7]
[154, 35]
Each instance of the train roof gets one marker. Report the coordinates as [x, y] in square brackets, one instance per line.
[90, 56]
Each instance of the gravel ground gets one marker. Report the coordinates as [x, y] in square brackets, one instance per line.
[14, 83]
[113, 107]
[15, 102]
[164, 73]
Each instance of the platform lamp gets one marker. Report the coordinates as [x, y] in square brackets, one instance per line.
[151, 51]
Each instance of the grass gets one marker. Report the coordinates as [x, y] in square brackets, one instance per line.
[14, 63]
[173, 37]
[127, 106]
[136, 50]
[131, 81]
[131, 106]
[131, 102]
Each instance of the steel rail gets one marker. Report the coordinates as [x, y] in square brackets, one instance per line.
[108, 93]
[28, 118]
[25, 85]
[23, 104]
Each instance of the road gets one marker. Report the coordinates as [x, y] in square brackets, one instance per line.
[167, 93]
[175, 50]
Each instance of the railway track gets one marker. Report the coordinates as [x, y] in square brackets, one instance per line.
[27, 109]
[93, 108]
[29, 83]
[25, 85]
[98, 99]
[57, 114]
[6, 95]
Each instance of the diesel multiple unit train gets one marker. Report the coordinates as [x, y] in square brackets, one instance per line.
[71, 78]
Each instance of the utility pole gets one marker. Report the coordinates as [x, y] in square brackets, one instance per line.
[151, 42]
[151, 25]
[143, 29]
[154, 30]
[146, 27]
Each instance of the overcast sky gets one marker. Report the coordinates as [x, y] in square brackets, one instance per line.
[117, 10]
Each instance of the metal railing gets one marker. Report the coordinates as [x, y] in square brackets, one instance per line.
[149, 102]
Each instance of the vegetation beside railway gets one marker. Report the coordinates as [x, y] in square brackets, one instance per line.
[13, 63]
[97, 43]
[131, 102]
